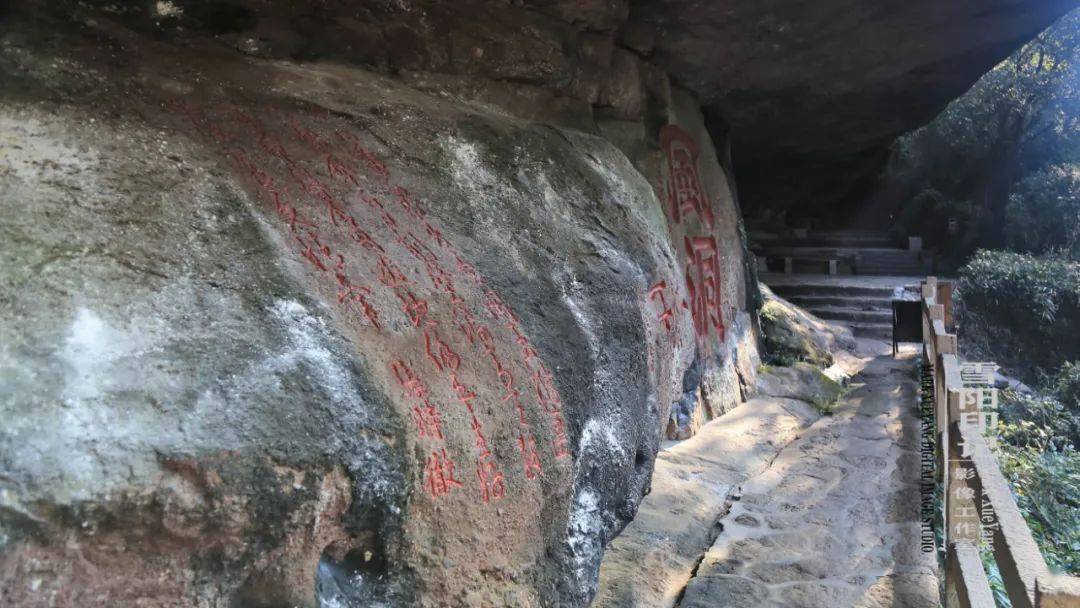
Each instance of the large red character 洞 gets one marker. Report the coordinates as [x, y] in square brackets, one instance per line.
[703, 283]
[685, 194]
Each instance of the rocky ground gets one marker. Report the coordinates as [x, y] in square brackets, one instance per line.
[827, 516]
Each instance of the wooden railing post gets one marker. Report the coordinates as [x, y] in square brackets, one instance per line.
[929, 288]
[944, 296]
[966, 585]
[979, 506]
[962, 521]
[1057, 592]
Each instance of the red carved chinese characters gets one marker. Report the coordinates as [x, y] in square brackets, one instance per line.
[685, 195]
[656, 293]
[425, 416]
[703, 283]
[685, 199]
[352, 258]
[439, 474]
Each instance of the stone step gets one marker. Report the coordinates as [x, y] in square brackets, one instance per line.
[876, 255]
[860, 303]
[845, 291]
[877, 242]
[894, 270]
[853, 315]
[877, 331]
[861, 260]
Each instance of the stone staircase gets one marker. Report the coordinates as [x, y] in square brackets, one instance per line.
[864, 307]
[838, 252]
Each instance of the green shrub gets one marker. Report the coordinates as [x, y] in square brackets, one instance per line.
[1039, 421]
[1038, 454]
[1047, 489]
[1067, 386]
[1027, 309]
[1044, 211]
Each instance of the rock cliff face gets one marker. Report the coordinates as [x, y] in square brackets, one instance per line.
[302, 334]
[814, 93]
[350, 303]
[811, 93]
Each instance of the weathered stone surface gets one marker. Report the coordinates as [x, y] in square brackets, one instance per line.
[810, 117]
[302, 303]
[835, 519]
[801, 381]
[181, 419]
[703, 223]
[649, 564]
[302, 333]
[791, 334]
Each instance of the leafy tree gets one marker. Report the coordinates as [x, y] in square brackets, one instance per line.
[1002, 160]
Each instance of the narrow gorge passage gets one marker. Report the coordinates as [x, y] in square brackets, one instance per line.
[834, 521]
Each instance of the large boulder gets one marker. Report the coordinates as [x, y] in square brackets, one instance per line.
[791, 334]
[300, 334]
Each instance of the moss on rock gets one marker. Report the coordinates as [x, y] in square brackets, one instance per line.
[791, 334]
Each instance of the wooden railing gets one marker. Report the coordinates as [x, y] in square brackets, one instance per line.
[978, 502]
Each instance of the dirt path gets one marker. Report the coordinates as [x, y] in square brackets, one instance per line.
[834, 521]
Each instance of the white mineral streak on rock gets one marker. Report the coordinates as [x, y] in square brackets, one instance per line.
[28, 152]
[570, 289]
[307, 339]
[485, 192]
[599, 435]
[583, 532]
[89, 350]
[165, 8]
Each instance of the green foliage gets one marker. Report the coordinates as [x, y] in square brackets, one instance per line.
[1067, 387]
[1046, 484]
[1026, 312]
[1040, 421]
[1000, 163]
[1016, 283]
[993, 576]
[1038, 454]
[1044, 211]
[1028, 306]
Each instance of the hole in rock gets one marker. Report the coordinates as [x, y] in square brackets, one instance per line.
[640, 459]
[220, 17]
[356, 578]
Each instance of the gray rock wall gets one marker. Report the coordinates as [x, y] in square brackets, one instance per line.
[300, 334]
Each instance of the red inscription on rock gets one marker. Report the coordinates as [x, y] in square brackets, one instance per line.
[657, 292]
[703, 283]
[439, 474]
[388, 274]
[685, 194]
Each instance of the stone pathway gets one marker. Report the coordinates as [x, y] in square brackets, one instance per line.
[834, 521]
[650, 563]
